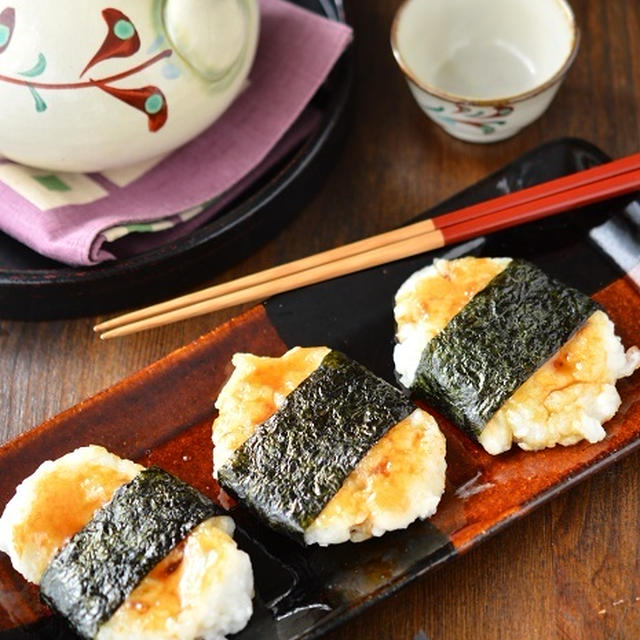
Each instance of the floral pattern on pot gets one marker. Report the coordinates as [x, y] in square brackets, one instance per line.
[7, 22]
[121, 41]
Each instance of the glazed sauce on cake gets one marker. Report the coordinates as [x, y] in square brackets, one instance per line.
[156, 602]
[65, 501]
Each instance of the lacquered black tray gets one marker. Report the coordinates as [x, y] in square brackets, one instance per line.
[35, 287]
[162, 415]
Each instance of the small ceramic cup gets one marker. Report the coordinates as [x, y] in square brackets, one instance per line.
[483, 69]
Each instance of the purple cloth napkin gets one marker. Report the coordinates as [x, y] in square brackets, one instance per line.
[85, 219]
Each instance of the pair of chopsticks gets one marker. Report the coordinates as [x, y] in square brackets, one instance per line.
[562, 194]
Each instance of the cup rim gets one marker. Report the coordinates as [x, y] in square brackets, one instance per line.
[498, 100]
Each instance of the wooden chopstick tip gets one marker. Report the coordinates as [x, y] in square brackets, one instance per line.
[113, 333]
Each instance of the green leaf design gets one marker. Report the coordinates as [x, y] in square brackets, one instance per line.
[37, 69]
[40, 104]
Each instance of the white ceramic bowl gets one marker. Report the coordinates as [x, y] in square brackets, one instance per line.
[84, 87]
[483, 69]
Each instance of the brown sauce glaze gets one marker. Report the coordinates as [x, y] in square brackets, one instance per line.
[65, 501]
[157, 597]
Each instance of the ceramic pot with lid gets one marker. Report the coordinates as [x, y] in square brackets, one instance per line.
[92, 85]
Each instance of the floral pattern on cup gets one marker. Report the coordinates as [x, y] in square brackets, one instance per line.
[487, 120]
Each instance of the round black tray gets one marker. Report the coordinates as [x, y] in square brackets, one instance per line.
[34, 287]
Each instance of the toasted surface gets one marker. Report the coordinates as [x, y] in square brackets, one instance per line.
[566, 400]
[255, 391]
[570, 397]
[202, 589]
[55, 502]
[428, 299]
[399, 480]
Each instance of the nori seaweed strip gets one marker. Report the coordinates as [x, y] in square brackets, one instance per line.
[92, 575]
[496, 342]
[298, 459]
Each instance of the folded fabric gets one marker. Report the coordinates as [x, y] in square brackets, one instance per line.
[84, 219]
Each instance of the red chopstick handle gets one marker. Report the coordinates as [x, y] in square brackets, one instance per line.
[542, 207]
[586, 177]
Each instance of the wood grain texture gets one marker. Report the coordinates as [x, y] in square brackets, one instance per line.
[569, 570]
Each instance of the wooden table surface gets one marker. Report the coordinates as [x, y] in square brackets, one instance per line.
[571, 569]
